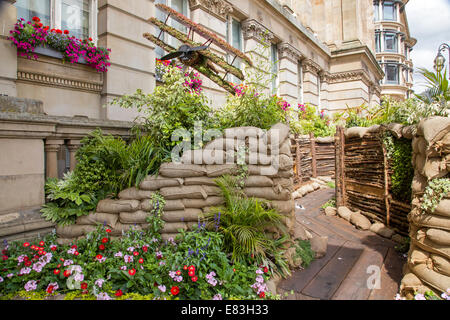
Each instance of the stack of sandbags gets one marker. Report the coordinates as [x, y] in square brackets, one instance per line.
[189, 189]
[428, 266]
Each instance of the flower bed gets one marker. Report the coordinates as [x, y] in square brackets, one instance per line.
[27, 36]
[138, 266]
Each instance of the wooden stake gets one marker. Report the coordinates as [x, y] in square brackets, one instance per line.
[313, 155]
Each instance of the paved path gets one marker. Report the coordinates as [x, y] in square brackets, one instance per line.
[353, 256]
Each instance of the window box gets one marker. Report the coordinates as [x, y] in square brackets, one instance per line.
[50, 52]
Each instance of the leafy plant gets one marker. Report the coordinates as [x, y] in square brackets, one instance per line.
[243, 222]
[438, 89]
[434, 193]
[304, 251]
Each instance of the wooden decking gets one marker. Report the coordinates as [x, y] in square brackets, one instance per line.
[350, 263]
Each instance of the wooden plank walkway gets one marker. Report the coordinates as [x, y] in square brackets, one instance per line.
[355, 259]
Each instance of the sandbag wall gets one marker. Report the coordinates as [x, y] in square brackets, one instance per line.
[313, 157]
[189, 188]
[428, 264]
[363, 174]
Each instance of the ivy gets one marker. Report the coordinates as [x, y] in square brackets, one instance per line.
[399, 154]
[434, 192]
[154, 219]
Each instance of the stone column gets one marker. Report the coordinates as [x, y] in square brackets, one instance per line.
[8, 52]
[289, 58]
[51, 148]
[311, 80]
[73, 146]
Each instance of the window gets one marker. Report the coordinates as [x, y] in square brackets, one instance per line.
[182, 7]
[300, 81]
[377, 42]
[234, 35]
[28, 9]
[390, 42]
[77, 16]
[389, 11]
[376, 11]
[392, 72]
[274, 71]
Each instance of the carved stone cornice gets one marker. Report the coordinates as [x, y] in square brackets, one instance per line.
[58, 81]
[310, 66]
[252, 29]
[358, 75]
[218, 8]
[286, 50]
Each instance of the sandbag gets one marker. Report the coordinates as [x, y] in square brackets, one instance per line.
[109, 219]
[443, 208]
[432, 221]
[257, 145]
[324, 139]
[355, 132]
[121, 228]
[432, 247]
[419, 183]
[285, 183]
[176, 204]
[283, 207]
[175, 170]
[344, 212]
[285, 148]
[225, 144]
[410, 282]
[212, 191]
[443, 146]
[243, 132]
[433, 128]
[440, 264]
[133, 217]
[434, 168]
[285, 162]
[267, 193]
[182, 192]
[187, 215]
[133, 193]
[380, 229]
[419, 160]
[258, 181]
[395, 129]
[360, 221]
[258, 158]
[417, 256]
[207, 181]
[173, 227]
[117, 206]
[202, 203]
[154, 183]
[219, 170]
[439, 236]
[65, 241]
[74, 230]
[276, 135]
[168, 236]
[439, 281]
[408, 132]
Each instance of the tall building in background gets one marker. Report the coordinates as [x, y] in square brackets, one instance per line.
[393, 45]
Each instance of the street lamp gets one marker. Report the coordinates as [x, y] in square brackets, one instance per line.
[439, 61]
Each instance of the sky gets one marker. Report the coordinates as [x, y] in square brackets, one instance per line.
[429, 23]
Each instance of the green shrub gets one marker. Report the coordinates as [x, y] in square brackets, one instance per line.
[304, 251]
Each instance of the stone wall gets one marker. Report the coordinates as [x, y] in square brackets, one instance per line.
[189, 189]
[428, 266]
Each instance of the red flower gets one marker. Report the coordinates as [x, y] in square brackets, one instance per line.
[50, 289]
[90, 39]
[66, 273]
[74, 246]
[27, 263]
[39, 24]
[35, 19]
[84, 286]
[145, 249]
[178, 272]
[104, 240]
[58, 31]
[185, 268]
[99, 256]
[191, 273]
[234, 269]
[108, 230]
[42, 243]
[175, 290]
[262, 294]
[53, 248]
[118, 293]
[101, 247]
[141, 260]
[56, 271]
[66, 31]
[266, 269]
[26, 244]
[46, 28]
[132, 272]
[135, 253]
[194, 279]
[76, 253]
[5, 258]
[59, 265]
[191, 268]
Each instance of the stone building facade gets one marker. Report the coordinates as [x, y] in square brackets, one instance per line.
[322, 52]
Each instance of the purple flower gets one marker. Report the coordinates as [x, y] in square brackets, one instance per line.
[103, 296]
[162, 288]
[30, 285]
